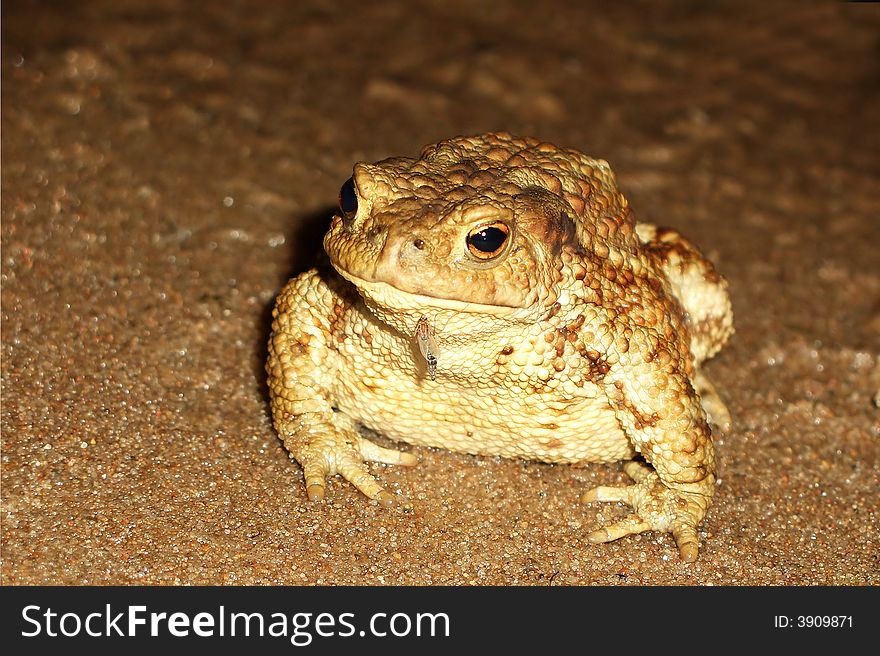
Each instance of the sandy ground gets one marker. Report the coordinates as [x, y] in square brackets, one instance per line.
[167, 166]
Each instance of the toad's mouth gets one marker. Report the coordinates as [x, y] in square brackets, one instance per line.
[389, 295]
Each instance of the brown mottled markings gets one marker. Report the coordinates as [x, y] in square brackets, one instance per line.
[333, 319]
[711, 275]
[640, 420]
[599, 365]
[668, 242]
[368, 338]
[555, 444]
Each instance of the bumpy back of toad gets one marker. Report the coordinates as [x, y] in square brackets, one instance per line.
[604, 223]
[586, 185]
[700, 289]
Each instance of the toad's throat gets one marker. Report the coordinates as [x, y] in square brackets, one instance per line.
[390, 295]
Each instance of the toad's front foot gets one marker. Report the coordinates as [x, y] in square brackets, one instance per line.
[326, 450]
[657, 508]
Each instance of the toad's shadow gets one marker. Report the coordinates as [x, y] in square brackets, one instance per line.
[305, 237]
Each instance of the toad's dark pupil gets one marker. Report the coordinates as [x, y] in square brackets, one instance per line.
[348, 200]
[487, 240]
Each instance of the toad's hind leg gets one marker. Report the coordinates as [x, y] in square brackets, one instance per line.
[657, 406]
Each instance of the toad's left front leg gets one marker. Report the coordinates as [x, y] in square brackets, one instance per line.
[661, 414]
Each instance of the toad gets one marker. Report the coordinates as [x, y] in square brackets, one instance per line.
[497, 296]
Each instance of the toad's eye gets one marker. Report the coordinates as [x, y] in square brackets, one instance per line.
[348, 200]
[488, 241]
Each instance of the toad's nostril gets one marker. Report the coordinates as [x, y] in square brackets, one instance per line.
[419, 243]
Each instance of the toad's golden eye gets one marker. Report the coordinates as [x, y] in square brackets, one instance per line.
[488, 241]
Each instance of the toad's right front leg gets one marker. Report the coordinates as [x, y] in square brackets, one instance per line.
[302, 367]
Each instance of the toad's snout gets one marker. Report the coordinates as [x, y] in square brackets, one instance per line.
[408, 253]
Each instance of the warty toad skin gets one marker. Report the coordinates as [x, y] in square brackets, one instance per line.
[497, 296]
